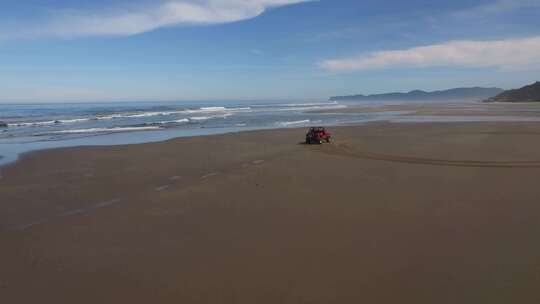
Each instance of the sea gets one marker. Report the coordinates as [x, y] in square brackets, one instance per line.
[32, 127]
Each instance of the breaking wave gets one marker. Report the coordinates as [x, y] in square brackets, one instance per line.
[203, 118]
[102, 130]
[292, 123]
[167, 122]
[128, 115]
[32, 123]
[216, 109]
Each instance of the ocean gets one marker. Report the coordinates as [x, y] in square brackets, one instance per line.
[33, 127]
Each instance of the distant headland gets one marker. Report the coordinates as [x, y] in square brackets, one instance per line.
[474, 93]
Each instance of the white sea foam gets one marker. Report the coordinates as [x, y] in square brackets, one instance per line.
[178, 121]
[52, 122]
[216, 109]
[200, 118]
[209, 110]
[203, 118]
[137, 115]
[291, 123]
[32, 123]
[168, 113]
[102, 130]
[213, 109]
[75, 120]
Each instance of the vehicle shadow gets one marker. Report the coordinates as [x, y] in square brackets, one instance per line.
[303, 143]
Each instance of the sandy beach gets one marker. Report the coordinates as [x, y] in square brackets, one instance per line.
[388, 213]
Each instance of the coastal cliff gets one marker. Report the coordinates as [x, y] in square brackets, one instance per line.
[530, 93]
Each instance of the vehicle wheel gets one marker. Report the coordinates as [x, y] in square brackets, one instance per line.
[328, 140]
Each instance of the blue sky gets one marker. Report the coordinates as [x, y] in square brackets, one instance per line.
[74, 50]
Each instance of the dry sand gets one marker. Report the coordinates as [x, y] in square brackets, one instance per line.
[389, 213]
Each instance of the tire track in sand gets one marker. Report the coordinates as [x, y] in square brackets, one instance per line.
[347, 151]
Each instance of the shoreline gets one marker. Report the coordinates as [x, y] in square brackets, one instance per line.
[409, 118]
[20, 156]
[37, 153]
[389, 113]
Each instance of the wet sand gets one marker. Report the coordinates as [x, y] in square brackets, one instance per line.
[388, 213]
[448, 109]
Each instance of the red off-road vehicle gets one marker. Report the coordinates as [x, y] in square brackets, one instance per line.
[318, 135]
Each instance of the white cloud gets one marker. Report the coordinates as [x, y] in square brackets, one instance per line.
[521, 53]
[169, 13]
[499, 7]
